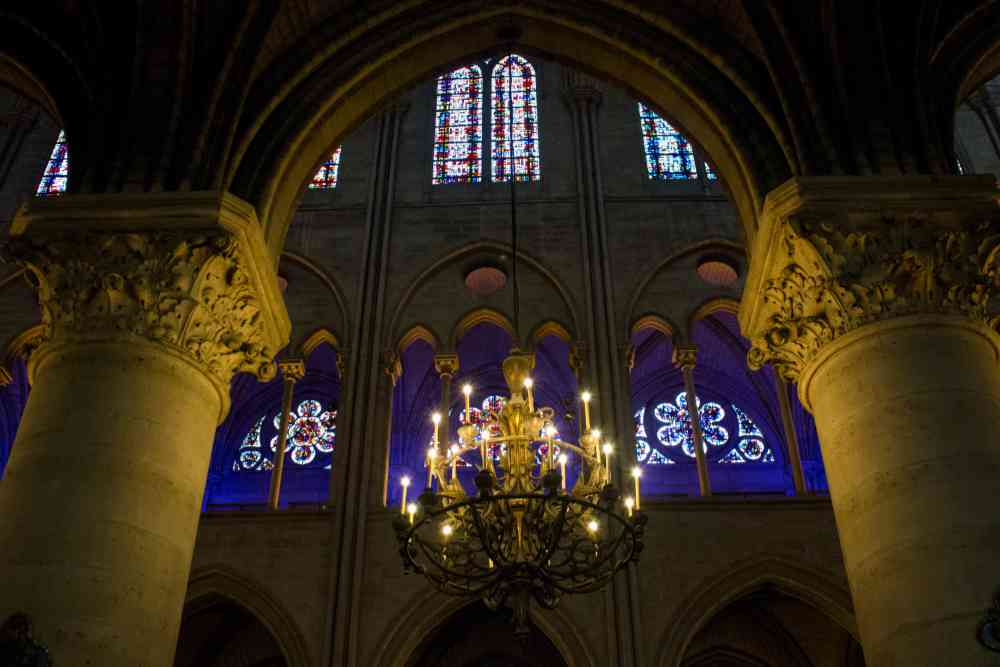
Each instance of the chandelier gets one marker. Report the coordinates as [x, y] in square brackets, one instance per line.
[521, 534]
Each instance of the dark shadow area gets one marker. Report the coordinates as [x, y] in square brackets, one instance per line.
[477, 637]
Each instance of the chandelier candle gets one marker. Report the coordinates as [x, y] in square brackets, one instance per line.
[431, 453]
[405, 482]
[467, 390]
[521, 534]
[585, 397]
[411, 509]
[636, 473]
[629, 504]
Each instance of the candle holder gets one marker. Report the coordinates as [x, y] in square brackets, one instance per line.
[521, 535]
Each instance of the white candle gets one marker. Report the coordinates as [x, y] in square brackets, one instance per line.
[528, 384]
[629, 503]
[411, 509]
[607, 458]
[585, 396]
[467, 390]
[636, 473]
[436, 418]
[431, 453]
[562, 465]
[406, 484]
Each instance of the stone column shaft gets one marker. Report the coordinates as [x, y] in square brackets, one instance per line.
[791, 437]
[291, 372]
[685, 358]
[872, 294]
[147, 315]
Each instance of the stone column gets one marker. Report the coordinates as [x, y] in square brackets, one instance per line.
[791, 437]
[685, 358]
[292, 371]
[150, 304]
[446, 366]
[872, 293]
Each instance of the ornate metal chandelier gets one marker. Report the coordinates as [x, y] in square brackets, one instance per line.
[522, 533]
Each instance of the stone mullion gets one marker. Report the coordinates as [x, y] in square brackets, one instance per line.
[872, 294]
[150, 304]
[353, 469]
[584, 97]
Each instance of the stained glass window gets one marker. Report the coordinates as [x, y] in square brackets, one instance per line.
[312, 433]
[673, 440]
[326, 176]
[515, 121]
[709, 174]
[669, 156]
[458, 127]
[56, 175]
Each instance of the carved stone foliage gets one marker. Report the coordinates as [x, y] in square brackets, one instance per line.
[832, 277]
[185, 289]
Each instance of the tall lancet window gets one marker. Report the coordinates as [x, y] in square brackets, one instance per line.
[56, 175]
[326, 176]
[515, 121]
[458, 127]
[669, 156]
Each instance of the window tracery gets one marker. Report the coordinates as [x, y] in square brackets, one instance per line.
[55, 178]
[312, 433]
[515, 113]
[674, 437]
[669, 156]
[326, 176]
[458, 127]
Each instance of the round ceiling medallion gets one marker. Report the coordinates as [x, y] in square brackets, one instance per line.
[718, 271]
[485, 280]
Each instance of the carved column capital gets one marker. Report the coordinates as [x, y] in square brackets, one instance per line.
[685, 357]
[392, 365]
[185, 271]
[292, 370]
[446, 364]
[835, 254]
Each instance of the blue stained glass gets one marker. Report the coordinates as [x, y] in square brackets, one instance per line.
[515, 121]
[709, 173]
[251, 455]
[311, 431]
[751, 444]
[326, 176]
[56, 175]
[677, 431]
[458, 127]
[669, 156]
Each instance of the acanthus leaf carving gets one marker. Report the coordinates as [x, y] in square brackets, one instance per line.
[185, 289]
[836, 277]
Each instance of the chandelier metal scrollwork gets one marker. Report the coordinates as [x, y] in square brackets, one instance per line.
[521, 534]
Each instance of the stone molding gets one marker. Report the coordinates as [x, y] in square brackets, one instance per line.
[685, 357]
[446, 364]
[835, 254]
[292, 370]
[188, 271]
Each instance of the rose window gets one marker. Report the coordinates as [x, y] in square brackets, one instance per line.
[670, 423]
[311, 430]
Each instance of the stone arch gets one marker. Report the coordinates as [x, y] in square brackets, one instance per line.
[457, 255]
[328, 282]
[310, 105]
[550, 328]
[477, 317]
[640, 301]
[226, 583]
[655, 322]
[424, 613]
[796, 580]
[713, 305]
[317, 338]
[415, 333]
